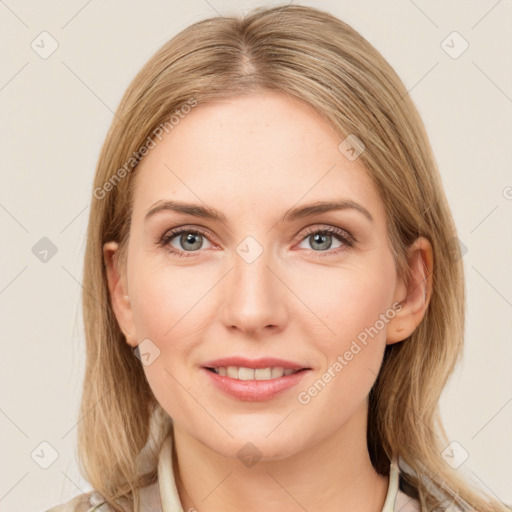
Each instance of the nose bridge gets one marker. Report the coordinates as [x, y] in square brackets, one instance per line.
[255, 298]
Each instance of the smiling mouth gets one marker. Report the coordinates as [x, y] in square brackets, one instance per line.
[242, 373]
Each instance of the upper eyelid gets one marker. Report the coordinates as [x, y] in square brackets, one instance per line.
[174, 232]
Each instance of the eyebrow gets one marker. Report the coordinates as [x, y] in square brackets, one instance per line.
[292, 214]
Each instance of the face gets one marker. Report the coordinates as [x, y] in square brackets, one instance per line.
[257, 283]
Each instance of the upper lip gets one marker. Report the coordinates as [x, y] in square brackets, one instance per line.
[263, 362]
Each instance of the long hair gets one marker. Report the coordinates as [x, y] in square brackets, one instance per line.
[313, 56]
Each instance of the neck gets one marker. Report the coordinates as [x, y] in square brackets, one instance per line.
[333, 474]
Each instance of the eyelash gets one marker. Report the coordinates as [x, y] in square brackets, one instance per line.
[341, 235]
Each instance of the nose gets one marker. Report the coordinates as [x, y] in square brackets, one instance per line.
[255, 295]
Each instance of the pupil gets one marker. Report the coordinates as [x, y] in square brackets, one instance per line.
[189, 238]
[318, 239]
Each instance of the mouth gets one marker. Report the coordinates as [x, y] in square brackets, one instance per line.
[245, 373]
[254, 380]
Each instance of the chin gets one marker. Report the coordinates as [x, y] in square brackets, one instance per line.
[252, 445]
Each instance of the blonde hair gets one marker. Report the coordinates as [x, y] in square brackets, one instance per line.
[311, 55]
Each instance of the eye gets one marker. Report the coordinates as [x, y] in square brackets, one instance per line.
[180, 241]
[188, 240]
[320, 239]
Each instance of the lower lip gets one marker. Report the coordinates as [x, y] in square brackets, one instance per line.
[255, 390]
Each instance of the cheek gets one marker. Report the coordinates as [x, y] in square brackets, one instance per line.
[166, 308]
[353, 354]
[354, 304]
[167, 299]
[348, 300]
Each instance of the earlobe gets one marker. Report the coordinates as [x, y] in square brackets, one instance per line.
[413, 296]
[119, 297]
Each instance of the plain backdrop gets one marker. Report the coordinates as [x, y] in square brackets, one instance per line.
[55, 112]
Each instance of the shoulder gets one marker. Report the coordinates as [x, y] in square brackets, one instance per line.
[87, 502]
[406, 502]
[94, 502]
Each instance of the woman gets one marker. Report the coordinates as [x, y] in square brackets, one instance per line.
[273, 302]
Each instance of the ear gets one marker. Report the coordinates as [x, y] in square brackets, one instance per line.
[413, 296]
[117, 285]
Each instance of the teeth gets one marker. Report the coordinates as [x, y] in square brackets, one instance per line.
[277, 372]
[245, 373]
[242, 373]
[232, 371]
[263, 373]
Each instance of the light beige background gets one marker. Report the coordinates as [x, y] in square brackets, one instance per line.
[55, 113]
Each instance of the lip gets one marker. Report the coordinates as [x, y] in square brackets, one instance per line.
[254, 390]
[262, 362]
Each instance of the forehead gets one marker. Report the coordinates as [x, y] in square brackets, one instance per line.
[260, 152]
